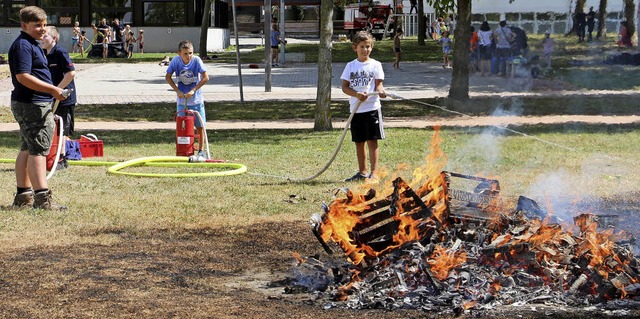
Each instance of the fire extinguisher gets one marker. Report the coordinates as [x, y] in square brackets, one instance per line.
[185, 135]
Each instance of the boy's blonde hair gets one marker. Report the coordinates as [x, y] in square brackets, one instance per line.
[185, 44]
[362, 36]
[32, 14]
[53, 32]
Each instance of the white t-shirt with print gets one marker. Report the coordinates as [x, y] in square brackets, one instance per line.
[362, 77]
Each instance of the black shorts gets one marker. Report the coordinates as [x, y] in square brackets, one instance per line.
[485, 52]
[67, 114]
[274, 47]
[367, 126]
[397, 50]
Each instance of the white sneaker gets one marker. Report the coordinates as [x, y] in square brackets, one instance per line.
[202, 155]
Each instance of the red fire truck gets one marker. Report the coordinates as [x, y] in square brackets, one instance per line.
[375, 19]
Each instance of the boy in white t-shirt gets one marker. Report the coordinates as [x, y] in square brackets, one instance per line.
[360, 77]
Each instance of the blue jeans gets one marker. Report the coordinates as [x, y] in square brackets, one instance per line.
[503, 54]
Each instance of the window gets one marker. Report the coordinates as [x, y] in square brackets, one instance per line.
[165, 13]
[10, 12]
[111, 9]
[61, 12]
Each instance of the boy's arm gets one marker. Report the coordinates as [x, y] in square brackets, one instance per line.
[36, 84]
[68, 77]
[201, 83]
[346, 88]
[173, 85]
[380, 89]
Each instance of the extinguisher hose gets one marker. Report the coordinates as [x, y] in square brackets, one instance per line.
[65, 93]
[59, 149]
[338, 147]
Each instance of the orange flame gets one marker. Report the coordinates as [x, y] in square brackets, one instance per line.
[443, 260]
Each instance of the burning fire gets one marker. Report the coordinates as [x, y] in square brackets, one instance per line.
[499, 248]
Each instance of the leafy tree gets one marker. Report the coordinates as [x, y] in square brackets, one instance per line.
[629, 15]
[459, 89]
[602, 16]
[322, 120]
[204, 28]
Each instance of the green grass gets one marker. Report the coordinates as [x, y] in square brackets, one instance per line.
[99, 202]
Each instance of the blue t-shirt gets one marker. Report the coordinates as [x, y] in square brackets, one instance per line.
[275, 35]
[59, 65]
[187, 77]
[26, 56]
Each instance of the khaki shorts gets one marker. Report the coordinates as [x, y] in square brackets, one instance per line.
[36, 126]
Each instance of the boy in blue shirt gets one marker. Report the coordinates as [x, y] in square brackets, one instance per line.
[191, 75]
[31, 101]
[62, 74]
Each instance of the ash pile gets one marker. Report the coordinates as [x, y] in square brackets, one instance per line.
[451, 245]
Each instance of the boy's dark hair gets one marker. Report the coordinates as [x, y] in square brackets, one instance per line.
[399, 30]
[362, 36]
[185, 44]
[485, 26]
[32, 14]
[83, 32]
[503, 23]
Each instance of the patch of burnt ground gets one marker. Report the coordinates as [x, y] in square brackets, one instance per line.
[242, 272]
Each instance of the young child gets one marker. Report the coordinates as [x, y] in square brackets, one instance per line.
[191, 75]
[130, 41]
[275, 44]
[141, 41]
[548, 45]
[31, 101]
[361, 77]
[445, 41]
[75, 37]
[83, 37]
[396, 48]
[105, 43]
[62, 75]
[125, 45]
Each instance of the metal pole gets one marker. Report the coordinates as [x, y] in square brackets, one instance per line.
[267, 45]
[282, 33]
[235, 31]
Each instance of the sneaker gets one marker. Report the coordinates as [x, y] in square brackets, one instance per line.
[23, 200]
[202, 154]
[44, 200]
[357, 177]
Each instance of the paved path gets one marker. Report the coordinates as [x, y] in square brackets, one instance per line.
[124, 83]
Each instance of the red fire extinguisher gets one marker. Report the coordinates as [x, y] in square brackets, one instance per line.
[185, 135]
[53, 150]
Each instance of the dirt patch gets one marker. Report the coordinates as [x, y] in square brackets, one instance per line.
[202, 273]
[4, 71]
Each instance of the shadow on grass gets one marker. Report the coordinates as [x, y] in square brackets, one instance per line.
[619, 104]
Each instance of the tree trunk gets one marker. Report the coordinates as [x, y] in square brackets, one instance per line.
[323, 96]
[579, 8]
[422, 23]
[459, 89]
[629, 15]
[602, 20]
[204, 28]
